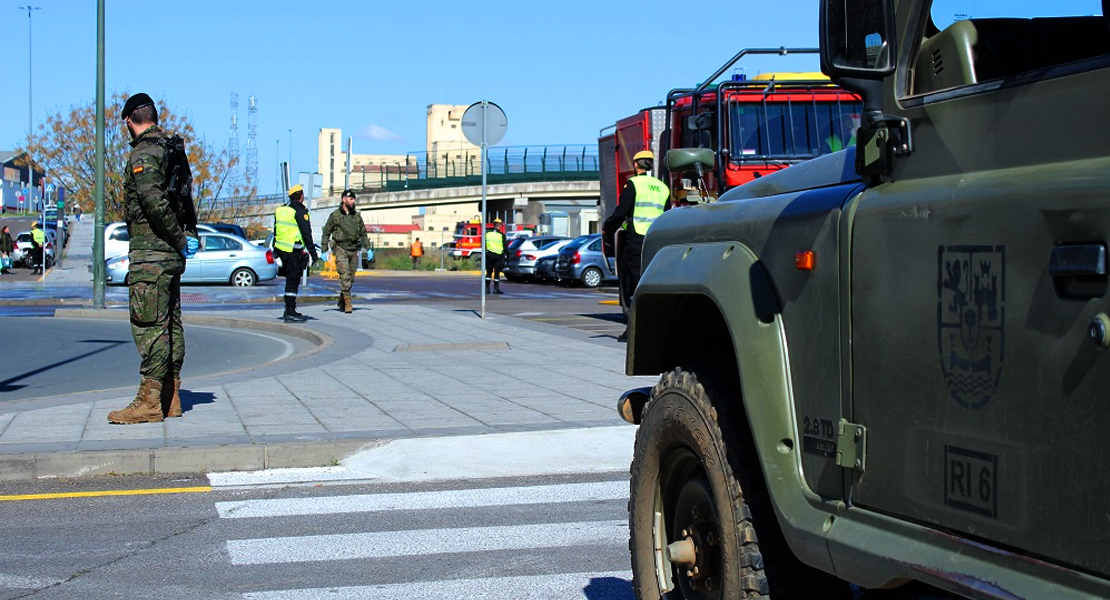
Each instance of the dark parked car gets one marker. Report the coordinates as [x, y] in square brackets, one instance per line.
[231, 228]
[582, 261]
[545, 269]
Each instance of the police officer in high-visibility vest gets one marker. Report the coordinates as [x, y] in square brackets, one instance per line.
[293, 245]
[38, 246]
[495, 254]
[641, 201]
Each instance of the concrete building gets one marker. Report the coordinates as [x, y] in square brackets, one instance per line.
[368, 171]
[14, 179]
[448, 151]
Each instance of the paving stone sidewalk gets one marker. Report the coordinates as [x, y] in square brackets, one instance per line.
[385, 372]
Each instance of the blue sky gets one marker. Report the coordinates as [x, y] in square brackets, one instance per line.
[560, 70]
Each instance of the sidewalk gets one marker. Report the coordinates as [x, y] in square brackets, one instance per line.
[394, 371]
[386, 372]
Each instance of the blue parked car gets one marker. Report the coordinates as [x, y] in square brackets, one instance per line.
[582, 261]
[222, 258]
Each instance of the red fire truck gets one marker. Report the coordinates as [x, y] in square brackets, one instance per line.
[467, 241]
[743, 128]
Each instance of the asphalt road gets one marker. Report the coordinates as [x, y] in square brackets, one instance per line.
[523, 538]
[47, 356]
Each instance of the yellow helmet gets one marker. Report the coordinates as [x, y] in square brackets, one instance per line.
[498, 220]
[295, 189]
[644, 154]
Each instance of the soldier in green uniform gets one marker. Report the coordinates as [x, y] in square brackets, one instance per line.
[157, 253]
[345, 233]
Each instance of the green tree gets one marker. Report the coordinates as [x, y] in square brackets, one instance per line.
[65, 147]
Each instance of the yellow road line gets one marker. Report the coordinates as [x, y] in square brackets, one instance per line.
[610, 302]
[179, 490]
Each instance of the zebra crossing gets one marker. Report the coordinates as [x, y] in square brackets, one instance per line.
[550, 541]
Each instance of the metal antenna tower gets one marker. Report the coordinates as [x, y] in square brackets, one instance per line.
[252, 142]
[233, 140]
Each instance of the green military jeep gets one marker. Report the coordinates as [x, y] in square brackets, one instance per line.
[886, 365]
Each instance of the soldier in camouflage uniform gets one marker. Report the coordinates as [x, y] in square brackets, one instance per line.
[345, 232]
[157, 252]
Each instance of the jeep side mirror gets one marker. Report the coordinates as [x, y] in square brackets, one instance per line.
[857, 38]
[858, 46]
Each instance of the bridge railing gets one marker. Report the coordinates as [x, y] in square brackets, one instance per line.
[504, 164]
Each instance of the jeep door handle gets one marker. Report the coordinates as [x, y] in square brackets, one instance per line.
[232, 255]
[1073, 260]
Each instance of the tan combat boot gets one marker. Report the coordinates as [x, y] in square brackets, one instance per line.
[174, 409]
[145, 408]
[347, 308]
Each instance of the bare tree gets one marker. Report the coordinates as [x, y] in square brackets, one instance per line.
[65, 147]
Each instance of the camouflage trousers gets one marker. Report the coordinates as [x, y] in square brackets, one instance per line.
[346, 264]
[154, 297]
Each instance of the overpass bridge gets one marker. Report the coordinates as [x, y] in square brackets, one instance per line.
[525, 184]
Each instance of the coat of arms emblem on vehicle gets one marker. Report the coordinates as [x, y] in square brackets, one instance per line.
[971, 284]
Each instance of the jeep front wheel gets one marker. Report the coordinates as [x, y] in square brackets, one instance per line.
[699, 515]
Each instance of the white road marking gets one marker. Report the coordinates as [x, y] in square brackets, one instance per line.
[288, 346]
[26, 583]
[612, 585]
[562, 451]
[361, 503]
[423, 542]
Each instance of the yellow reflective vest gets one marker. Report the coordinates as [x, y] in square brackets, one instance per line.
[287, 234]
[494, 243]
[651, 200]
[39, 236]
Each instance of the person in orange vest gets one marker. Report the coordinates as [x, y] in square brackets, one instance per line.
[416, 252]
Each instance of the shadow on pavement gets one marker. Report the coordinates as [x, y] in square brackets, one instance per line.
[191, 399]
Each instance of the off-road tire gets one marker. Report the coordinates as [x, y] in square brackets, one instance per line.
[694, 448]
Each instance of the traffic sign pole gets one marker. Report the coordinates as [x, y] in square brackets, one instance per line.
[484, 123]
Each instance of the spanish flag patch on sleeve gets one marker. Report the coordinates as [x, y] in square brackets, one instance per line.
[137, 169]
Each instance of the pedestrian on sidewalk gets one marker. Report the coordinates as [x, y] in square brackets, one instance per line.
[416, 252]
[345, 234]
[38, 245]
[293, 244]
[6, 248]
[77, 212]
[495, 253]
[157, 252]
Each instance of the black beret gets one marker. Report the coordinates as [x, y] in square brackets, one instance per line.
[134, 102]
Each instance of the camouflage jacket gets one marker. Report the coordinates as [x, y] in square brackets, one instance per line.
[155, 232]
[347, 231]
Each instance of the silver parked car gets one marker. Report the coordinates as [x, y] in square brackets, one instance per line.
[523, 252]
[222, 258]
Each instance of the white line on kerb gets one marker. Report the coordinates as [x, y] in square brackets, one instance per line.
[422, 542]
[610, 585]
[361, 503]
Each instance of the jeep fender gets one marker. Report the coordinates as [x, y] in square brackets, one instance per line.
[715, 301]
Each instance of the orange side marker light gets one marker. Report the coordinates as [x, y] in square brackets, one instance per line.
[805, 261]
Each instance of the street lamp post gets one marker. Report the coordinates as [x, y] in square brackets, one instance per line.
[277, 161]
[290, 153]
[30, 71]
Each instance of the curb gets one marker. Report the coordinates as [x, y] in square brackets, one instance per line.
[244, 457]
[321, 340]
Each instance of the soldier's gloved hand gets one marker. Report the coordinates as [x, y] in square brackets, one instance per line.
[192, 246]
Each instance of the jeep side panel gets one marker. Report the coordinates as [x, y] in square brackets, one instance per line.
[972, 366]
